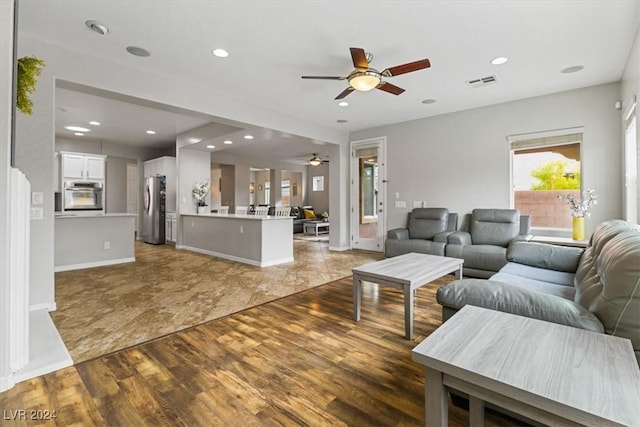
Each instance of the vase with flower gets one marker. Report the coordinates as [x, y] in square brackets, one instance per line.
[580, 209]
[200, 191]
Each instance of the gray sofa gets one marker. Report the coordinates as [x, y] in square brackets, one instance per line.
[596, 289]
[484, 240]
[426, 232]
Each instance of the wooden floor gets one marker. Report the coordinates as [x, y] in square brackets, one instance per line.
[299, 360]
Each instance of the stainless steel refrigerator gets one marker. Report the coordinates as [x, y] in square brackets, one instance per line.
[153, 223]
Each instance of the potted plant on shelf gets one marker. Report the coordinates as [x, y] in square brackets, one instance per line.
[580, 210]
[200, 191]
[29, 68]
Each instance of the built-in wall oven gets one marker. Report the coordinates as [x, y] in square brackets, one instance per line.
[83, 196]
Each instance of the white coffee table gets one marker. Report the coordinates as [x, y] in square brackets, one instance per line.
[407, 272]
[550, 373]
[315, 227]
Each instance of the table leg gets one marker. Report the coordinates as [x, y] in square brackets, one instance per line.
[476, 412]
[408, 312]
[357, 296]
[436, 402]
[459, 273]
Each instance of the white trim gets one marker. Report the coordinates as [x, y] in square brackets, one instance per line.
[339, 248]
[93, 264]
[237, 259]
[544, 134]
[48, 306]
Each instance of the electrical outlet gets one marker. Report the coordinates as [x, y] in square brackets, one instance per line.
[107, 245]
[193, 224]
[241, 229]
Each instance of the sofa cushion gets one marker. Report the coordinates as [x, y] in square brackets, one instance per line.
[482, 257]
[394, 247]
[505, 297]
[552, 257]
[562, 278]
[424, 223]
[494, 226]
[537, 285]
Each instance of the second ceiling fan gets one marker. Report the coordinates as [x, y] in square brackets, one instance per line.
[364, 78]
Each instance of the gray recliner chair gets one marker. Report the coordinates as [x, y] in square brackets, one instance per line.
[483, 245]
[426, 232]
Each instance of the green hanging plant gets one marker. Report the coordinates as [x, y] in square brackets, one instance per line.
[29, 68]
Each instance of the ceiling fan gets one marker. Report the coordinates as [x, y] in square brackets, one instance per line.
[315, 160]
[365, 78]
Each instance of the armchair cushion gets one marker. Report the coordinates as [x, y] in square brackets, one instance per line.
[494, 226]
[425, 223]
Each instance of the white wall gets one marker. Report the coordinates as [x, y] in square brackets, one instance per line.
[318, 199]
[630, 89]
[461, 160]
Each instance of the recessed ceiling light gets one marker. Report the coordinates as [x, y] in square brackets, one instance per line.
[573, 69]
[343, 103]
[211, 146]
[77, 129]
[499, 60]
[97, 27]
[248, 137]
[220, 53]
[429, 101]
[151, 132]
[194, 140]
[78, 133]
[228, 142]
[94, 123]
[138, 51]
[341, 121]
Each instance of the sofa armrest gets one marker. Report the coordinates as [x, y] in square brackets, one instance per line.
[398, 233]
[442, 237]
[550, 257]
[507, 298]
[459, 238]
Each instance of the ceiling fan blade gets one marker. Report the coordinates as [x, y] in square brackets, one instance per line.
[359, 58]
[345, 92]
[406, 68]
[325, 77]
[388, 87]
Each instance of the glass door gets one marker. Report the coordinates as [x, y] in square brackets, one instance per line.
[367, 201]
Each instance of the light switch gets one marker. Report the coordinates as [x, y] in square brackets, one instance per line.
[397, 194]
[37, 213]
[401, 204]
[36, 198]
[417, 204]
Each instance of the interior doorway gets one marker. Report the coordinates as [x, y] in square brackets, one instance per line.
[368, 210]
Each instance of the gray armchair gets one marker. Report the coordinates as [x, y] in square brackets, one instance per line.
[426, 233]
[483, 245]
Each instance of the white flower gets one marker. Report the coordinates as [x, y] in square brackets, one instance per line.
[580, 207]
[200, 191]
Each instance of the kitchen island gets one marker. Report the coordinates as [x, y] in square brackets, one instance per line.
[256, 240]
[93, 240]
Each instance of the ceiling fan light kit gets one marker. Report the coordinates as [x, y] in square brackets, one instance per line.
[365, 78]
[315, 160]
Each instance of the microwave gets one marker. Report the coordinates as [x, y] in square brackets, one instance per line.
[83, 196]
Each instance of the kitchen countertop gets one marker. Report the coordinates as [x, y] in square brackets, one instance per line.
[234, 216]
[91, 215]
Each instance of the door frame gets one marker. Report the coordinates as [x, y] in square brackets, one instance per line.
[380, 143]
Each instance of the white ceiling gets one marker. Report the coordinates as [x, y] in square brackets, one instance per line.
[272, 43]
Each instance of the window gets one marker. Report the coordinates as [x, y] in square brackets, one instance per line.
[545, 166]
[285, 190]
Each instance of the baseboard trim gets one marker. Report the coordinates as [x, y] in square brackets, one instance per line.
[47, 350]
[237, 259]
[339, 248]
[6, 382]
[48, 306]
[93, 264]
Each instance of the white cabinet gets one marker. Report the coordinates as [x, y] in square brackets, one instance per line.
[82, 166]
[171, 227]
[164, 166]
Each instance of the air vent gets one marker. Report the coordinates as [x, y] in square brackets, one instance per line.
[483, 81]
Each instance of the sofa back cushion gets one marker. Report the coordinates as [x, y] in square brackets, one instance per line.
[494, 226]
[424, 223]
[608, 279]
